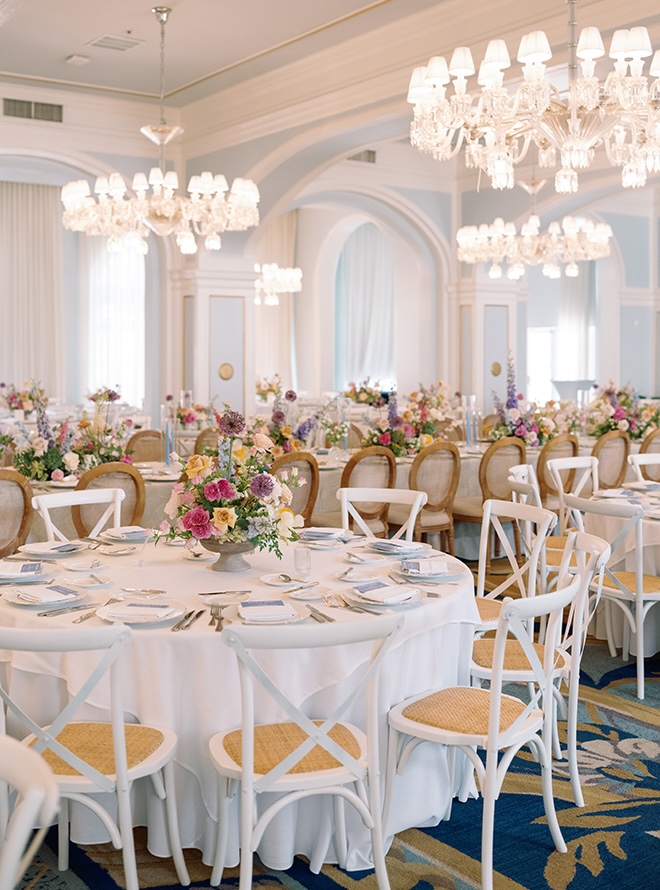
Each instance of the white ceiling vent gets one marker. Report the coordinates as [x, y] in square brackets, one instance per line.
[111, 41]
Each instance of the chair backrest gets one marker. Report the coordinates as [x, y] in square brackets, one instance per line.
[355, 436]
[495, 464]
[303, 465]
[534, 524]
[612, 451]
[564, 445]
[372, 467]
[524, 485]
[96, 499]
[111, 475]
[350, 515]
[108, 643]
[146, 445]
[16, 514]
[207, 440]
[359, 692]
[646, 466]
[488, 422]
[436, 470]
[583, 471]
[29, 775]
[651, 445]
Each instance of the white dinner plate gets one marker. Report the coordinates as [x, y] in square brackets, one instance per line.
[301, 610]
[23, 572]
[354, 597]
[12, 596]
[612, 493]
[53, 549]
[113, 614]
[323, 545]
[125, 534]
[85, 582]
[161, 477]
[413, 548]
[356, 575]
[226, 597]
[199, 556]
[114, 550]
[83, 565]
[275, 580]
[309, 594]
[449, 577]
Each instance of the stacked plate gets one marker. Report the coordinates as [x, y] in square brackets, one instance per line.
[379, 594]
[435, 569]
[125, 534]
[53, 549]
[51, 596]
[141, 611]
[397, 548]
[23, 573]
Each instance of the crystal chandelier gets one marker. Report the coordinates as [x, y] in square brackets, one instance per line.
[126, 220]
[573, 241]
[273, 281]
[497, 125]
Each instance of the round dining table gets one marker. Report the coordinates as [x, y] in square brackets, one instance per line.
[188, 682]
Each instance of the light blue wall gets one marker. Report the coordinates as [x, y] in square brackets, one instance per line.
[496, 346]
[632, 234]
[636, 327]
[488, 204]
[436, 205]
[543, 300]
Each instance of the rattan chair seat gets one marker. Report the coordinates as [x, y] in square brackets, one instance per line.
[489, 609]
[462, 709]
[93, 743]
[651, 583]
[556, 542]
[514, 656]
[275, 741]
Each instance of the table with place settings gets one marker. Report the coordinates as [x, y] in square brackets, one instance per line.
[187, 681]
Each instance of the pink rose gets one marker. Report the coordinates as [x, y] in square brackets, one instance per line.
[217, 490]
[385, 439]
[197, 521]
[619, 413]
[125, 459]
[164, 527]
[408, 431]
[57, 476]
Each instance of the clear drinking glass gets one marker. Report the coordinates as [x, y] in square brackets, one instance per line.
[302, 563]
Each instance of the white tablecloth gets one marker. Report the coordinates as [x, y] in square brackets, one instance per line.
[188, 682]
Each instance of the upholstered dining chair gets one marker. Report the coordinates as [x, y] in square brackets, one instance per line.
[146, 445]
[612, 451]
[111, 475]
[436, 470]
[494, 468]
[372, 467]
[16, 514]
[651, 445]
[563, 445]
[307, 469]
[207, 440]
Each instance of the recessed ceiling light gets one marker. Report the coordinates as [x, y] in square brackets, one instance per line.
[78, 61]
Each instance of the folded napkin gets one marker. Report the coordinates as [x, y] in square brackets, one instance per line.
[127, 611]
[322, 534]
[425, 566]
[54, 593]
[25, 570]
[396, 546]
[127, 532]
[379, 592]
[266, 611]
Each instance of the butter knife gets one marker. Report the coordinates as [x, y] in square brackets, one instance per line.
[320, 616]
[53, 612]
[301, 587]
[186, 618]
[194, 618]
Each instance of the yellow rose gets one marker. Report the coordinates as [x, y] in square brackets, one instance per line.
[287, 432]
[287, 521]
[296, 444]
[198, 465]
[425, 440]
[224, 518]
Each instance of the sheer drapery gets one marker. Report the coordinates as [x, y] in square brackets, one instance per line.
[112, 292]
[273, 337]
[364, 310]
[576, 324]
[31, 285]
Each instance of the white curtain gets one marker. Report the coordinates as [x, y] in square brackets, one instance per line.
[113, 297]
[31, 285]
[273, 324]
[577, 319]
[364, 310]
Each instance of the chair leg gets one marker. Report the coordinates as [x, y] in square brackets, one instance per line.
[63, 835]
[609, 629]
[125, 822]
[247, 823]
[340, 830]
[488, 794]
[222, 837]
[571, 729]
[377, 841]
[450, 539]
[173, 825]
[639, 648]
[548, 797]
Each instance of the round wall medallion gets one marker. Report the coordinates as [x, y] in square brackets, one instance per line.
[496, 369]
[226, 371]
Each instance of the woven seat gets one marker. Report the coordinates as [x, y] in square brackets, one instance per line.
[489, 610]
[650, 583]
[468, 718]
[515, 658]
[93, 743]
[16, 514]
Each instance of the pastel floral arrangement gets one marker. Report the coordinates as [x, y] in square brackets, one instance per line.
[555, 418]
[513, 418]
[432, 410]
[364, 394]
[46, 453]
[619, 408]
[286, 434]
[29, 398]
[97, 441]
[394, 433]
[336, 431]
[269, 386]
[104, 394]
[232, 498]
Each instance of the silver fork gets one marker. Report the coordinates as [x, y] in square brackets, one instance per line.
[215, 614]
[221, 608]
[336, 601]
[94, 611]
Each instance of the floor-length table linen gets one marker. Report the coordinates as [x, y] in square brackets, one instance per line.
[188, 682]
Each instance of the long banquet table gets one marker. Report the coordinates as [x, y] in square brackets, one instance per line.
[188, 682]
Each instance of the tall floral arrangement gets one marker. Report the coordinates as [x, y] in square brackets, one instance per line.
[285, 428]
[513, 418]
[619, 408]
[432, 410]
[30, 397]
[98, 441]
[232, 498]
[46, 453]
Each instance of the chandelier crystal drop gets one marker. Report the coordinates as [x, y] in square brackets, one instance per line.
[273, 281]
[497, 125]
[126, 220]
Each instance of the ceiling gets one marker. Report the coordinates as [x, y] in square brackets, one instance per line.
[208, 43]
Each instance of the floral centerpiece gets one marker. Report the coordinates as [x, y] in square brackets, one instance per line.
[233, 499]
[364, 394]
[269, 386]
[97, 441]
[29, 398]
[394, 433]
[336, 431]
[620, 409]
[513, 418]
[555, 418]
[432, 410]
[286, 434]
[46, 453]
[189, 416]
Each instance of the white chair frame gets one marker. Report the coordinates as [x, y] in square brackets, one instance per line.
[355, 779]
[113, 497]
[586, 471]
[36, 804]
[349, 496]
[637, 461]
[530, 727]
[109, 643]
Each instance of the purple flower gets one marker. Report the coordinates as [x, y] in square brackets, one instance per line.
[198, 522]
[278, 417]
[232, 423]
[396, 422]
[290, 395]
[262, 485]
[169, 398]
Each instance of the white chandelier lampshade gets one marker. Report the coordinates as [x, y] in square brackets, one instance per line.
[126, 220]
[497, 125]
[273, 281]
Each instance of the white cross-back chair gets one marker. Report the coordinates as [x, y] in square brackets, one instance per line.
[347, 497]
[88, 758]
[301, 757]
[584, 555]
[583, 471]
[26, 774]
[534, 524]
[45, 503]
[633, 592]
[647, 459]
[468, 717]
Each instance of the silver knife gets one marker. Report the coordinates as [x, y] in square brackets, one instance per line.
[320, 616]
[193, 619]
[179, 625]
[301, 587]
[53, 612]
